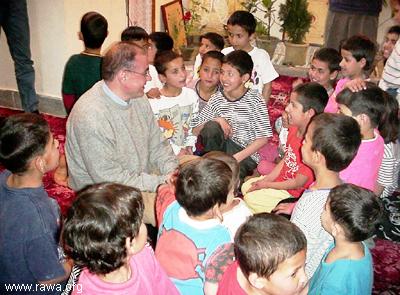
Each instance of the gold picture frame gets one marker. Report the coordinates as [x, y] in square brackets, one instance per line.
[172, 14]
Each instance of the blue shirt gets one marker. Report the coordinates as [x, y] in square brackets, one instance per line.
[343, 276]
[28, 236]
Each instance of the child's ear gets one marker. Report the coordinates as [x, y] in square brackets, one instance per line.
[310, 113]
[363, 62]
[245, 78]
[252, 36]
[216, 213]
[333, 75]
[256, 281]
[80, 36]
[39, 164]
[162, 78]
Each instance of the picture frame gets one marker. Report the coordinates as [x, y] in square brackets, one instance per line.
[172, 14]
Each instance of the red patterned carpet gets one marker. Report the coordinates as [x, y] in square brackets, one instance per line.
[386, 254]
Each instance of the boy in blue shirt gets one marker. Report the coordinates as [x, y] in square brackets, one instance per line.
[350, 216]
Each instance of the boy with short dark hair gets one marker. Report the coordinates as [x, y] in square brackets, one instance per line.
[208, 42]
[135, 34]
[29, 219]
[270, 254]
[191, 232]
[83, 70]
[350, 216]
[329, 146]
[290, 177]
[235, 120]
[241, 31]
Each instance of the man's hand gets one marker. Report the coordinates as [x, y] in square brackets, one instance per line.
[153, 93]
[225, 126]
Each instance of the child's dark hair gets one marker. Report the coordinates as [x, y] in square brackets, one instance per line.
[264, 241]
[98, 223]
[230, 161]
[94, 28]
[201, 184]
[216, 39]
[394, 30]
[240, 60]
[243, 19]
[134, 33]
[389, 125]
[213, 54]
[312, 95]
[356, 209]
[22, 137]
[162, 41]
[369, 101]
[361, 46]
[330, 56]
[162, 59]
[337, 137]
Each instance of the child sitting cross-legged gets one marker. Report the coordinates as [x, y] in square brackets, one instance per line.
[350, 216]
[177, 105]
[270, 255]
[105, 234]
[235, 120]
[190, 232]
[291, 176]
[329, 146]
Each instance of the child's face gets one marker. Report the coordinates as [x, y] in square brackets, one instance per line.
[151, 51]
[231, 80]
[396, 13]
[319, 72]
[307, 153]
[290, 277]
[388, 45]
[209, 72]
[175, 74]
[206, 46]
[239, 38]
[294, 111]
[351, 68]
[51, 154]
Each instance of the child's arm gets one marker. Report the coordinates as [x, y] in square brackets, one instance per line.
[294, 183]
[259, 184]
[250, 149]
[221, 121]
[266, 92]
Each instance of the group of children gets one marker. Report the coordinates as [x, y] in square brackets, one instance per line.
[332, 169]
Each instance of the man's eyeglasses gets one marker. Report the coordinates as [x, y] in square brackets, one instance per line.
[145, 74]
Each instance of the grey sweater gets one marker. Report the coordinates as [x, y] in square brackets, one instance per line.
[110, 142]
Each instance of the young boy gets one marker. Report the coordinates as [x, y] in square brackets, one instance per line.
[29, 219]
[208, 42]
[358, 55]
[368, 108]
[290, 177]
[137, 35]
[177, 104]
[330, 144]
[241, 30]
[270, 254]
[113, 247]
[158, 42]
[83, 70]
[235, 120]
[350, 216]
[191, 231]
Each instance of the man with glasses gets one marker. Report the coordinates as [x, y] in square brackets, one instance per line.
[112, 134]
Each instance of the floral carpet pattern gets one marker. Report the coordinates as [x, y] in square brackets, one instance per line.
[386, 254]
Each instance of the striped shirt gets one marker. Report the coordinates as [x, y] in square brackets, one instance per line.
[391, 71]
[389, 169]
[248, 117]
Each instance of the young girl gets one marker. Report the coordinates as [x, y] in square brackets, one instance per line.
[177, 104]
[208, 82]
[113, 247]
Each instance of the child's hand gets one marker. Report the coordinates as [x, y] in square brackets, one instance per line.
[225, 126]
[153, 93]
[356, 85]
[259, 184]
[284, 208]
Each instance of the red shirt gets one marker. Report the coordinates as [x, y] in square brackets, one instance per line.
[229, 284]
[293, 164]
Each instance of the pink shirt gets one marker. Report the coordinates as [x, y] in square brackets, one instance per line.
[147, 278]
[363, 170]
[332, 106]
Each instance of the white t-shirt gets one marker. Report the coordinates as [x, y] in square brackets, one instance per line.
[263, 70]
[174, 114]
[236, 217]
[154, 82]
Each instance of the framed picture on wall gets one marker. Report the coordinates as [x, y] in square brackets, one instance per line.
[172, 14]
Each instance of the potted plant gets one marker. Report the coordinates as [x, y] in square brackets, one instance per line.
[296, 22]
[263, 30]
